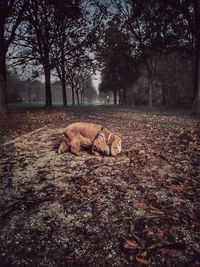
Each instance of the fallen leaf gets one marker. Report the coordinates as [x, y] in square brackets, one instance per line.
[156, 212]
[131, 245]
[148, 157]
[141, 152]
[156, 245]
[192, 215]
[171, 252]
[142, 261]
[143, 254]
[132, 227]
[139, 240]
[85, 187]
[176, 188]
[139, 205]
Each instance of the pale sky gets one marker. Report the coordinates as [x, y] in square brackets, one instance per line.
[96, 79]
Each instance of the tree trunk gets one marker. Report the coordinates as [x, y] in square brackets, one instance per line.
[73, 95]
[150, 93]
[115, 97]
[64, 95]
[77, 97]
[196, 100]
[63, 74]
[3, 84]
[47, 74]
[120, 97]
[82, 96]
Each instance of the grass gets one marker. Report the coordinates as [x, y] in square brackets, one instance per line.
[164, 111]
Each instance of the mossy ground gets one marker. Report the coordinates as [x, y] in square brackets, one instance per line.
[140, 208]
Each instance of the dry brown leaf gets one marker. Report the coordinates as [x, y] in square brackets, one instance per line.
[171, 252]
[75, 206]
[177, 188]
[148, 157]
[131, 245]
[85, 187]
[156, 212]
[142, 261]
[156, 245]
[153, 208]
[143, 254]
[192, 215]
[139, 240]
[132, 227]
[141, 152]
[139, 205]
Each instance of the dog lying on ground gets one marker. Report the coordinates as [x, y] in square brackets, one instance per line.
[85, 135]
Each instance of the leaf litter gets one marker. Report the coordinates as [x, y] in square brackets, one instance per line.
[138, 209]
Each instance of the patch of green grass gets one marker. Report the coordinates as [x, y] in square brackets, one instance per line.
[25, 105]
[114, 108]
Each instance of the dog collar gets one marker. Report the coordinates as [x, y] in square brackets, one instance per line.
[110, 138]
[100, 132]
[110, 135]
[107, 135]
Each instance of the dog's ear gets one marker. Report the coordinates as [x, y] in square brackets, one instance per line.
[116, 146]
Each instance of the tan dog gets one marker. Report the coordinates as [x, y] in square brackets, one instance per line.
[82, 135]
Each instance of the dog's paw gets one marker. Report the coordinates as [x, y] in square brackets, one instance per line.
[60, 151]
[96, 153]
[76, 153]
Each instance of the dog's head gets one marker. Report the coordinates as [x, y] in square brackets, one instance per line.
[116, 146]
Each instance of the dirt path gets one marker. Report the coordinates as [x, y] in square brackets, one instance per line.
[141, 208]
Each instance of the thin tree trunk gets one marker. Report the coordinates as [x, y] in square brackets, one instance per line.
[73, 95]
[115, 97]
[47, 73]
[196, 73]
[64, 95]
[82, 96]
[3, 84]
[77, 97]
[63, 73]
[120, 98]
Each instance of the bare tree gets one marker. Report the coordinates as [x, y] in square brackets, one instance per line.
[40, 37]
[77, 76]
[77, 39]
[11, 15]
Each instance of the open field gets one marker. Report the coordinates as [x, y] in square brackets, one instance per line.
[138, 209]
